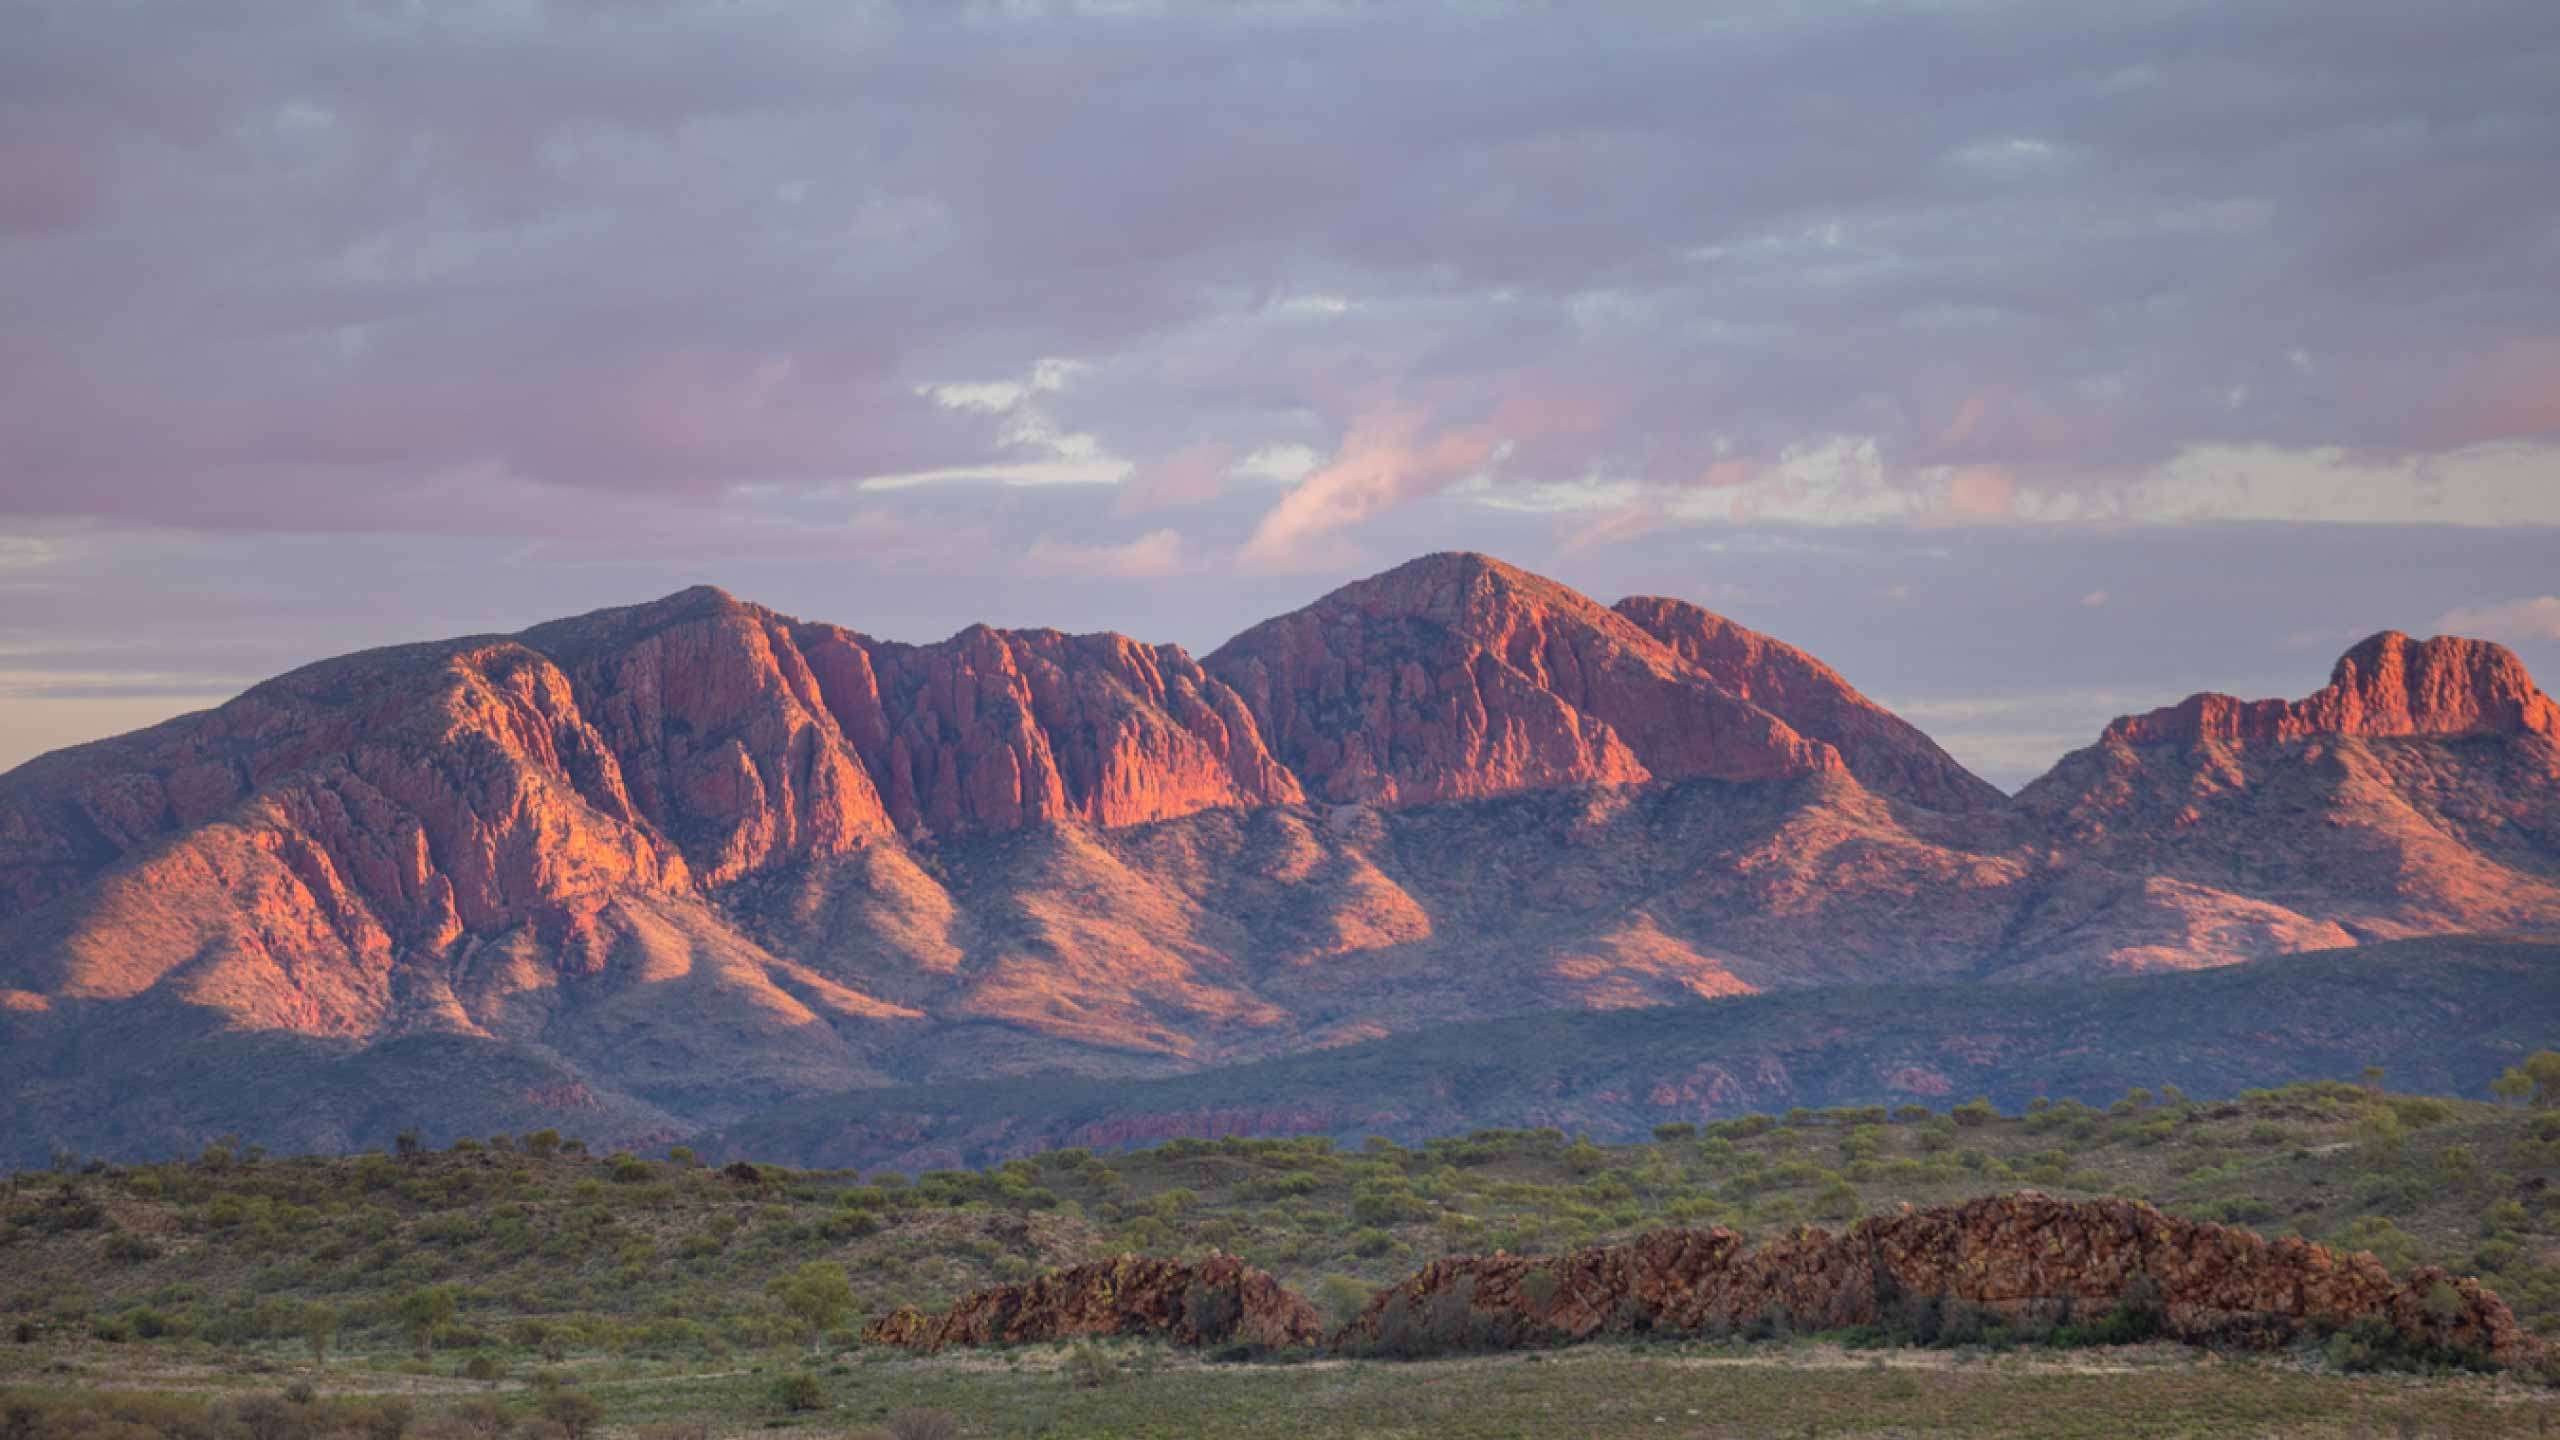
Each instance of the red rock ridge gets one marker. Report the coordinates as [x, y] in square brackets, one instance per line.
[430, 785]
[785, 738]
[2013, 1254]
[286, 853]
[1884, 751]
[994, 729]
[1455, 677]
[2389, 686]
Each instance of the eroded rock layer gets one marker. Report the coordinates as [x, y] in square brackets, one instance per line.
[1216, 1301]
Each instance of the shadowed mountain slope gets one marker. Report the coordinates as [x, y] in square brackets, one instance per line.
[2441, 1015]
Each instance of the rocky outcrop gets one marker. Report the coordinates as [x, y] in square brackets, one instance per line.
[1216, 1301]
[1887, 753]
[2389, 686]
[1456, 677]
[2014, 1255]
[995, 729]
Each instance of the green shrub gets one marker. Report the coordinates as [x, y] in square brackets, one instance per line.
[573, 1415]
[1090, 1367]
[798, 1392]
[1340, 1299]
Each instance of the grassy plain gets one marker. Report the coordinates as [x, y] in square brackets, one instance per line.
[233, 1296]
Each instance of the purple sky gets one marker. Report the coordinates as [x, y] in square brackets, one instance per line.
[2032, 363]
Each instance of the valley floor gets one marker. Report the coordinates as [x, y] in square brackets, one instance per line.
[1656, 1390]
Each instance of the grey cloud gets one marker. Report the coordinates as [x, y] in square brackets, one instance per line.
[482, 313]
[287, 266]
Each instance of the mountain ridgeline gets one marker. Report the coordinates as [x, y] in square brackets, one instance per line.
[651, 872]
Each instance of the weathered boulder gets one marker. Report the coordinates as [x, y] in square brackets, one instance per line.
[1216, 1301]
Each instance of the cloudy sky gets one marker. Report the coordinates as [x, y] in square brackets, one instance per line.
[2031, 362]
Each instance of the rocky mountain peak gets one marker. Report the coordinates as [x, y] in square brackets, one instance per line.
[2388, 686]
[1455, 676]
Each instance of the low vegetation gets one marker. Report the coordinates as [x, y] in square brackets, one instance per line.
[521, 1284]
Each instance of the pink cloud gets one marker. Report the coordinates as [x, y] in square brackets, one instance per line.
[2511, 393]
[1186, 477]
[1615, 526]
[2515, 621]
[1151, 556]
[1388, 458]
[1982, 492]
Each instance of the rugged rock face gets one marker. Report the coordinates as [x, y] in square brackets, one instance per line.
[2015, 1254]
[1216, 1301]
[2416, 794]
[328, 853]
[993, 730]
[704, 738]
[2388, 686]
[1455, 677]
[1884, 751]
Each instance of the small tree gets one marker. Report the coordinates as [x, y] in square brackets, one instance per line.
[422, 1310]
[2379, 1133]
[2543, 1069]
[319, 1328]
[818, 1295]
[2513, 1087]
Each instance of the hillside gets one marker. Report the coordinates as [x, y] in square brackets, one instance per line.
[2445, 1016]
[650, 871]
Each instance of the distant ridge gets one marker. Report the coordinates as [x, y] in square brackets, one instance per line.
[671, 863]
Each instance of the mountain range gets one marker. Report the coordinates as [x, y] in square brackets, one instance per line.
[652, 872]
